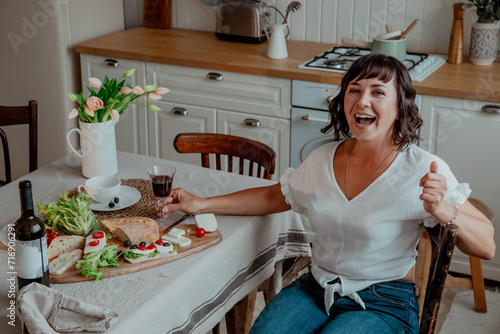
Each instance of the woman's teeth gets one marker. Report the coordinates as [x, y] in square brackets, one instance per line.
[364, 119]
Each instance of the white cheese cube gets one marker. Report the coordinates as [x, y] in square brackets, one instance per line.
[181, 241]
[176, 233]
[206, 221]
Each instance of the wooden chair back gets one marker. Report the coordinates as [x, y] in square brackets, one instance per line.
[435, 251]
[14, 116]
[231, 146]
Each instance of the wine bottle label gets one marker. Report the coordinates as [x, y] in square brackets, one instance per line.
[31, 258]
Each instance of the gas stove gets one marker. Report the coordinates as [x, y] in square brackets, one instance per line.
[340, 58]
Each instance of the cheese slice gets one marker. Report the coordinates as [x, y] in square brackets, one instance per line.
[206, 221]
[176, 233]
[181, 241]
[164, 249]
[99, 246]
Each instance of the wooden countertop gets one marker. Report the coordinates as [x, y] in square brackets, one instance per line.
[203, 50]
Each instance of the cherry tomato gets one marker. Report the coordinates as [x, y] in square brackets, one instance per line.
[200, 232]
[159, 242]
[142, 248]
[98, 235]
[94, 243]
[151, 247]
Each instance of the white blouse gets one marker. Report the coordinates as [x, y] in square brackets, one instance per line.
[373, 237]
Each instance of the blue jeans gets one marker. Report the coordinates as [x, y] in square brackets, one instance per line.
[391, 307]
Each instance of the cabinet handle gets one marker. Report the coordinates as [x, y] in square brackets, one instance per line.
[111, 62]
[329, 99]
[252, 122]
[308, 117]
[491, 109]
[215, 76]
[179, 111]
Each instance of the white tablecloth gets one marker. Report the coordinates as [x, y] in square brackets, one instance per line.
[190, 295]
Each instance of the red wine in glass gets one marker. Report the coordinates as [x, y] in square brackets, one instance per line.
[162, 185]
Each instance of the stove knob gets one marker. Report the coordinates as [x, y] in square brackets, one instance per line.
[418, 68]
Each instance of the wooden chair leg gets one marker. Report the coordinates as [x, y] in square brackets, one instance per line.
[216, 329]
[239, 319]
[478, 284]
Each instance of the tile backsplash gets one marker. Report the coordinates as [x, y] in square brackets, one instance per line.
[328, 21]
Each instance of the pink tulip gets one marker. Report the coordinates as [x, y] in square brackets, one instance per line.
[137, 90]
[73, 113]
[125, 90]
[94, 82]
[94, 103]
[89, 112]
[154, 97]
[115, 114]
[162, 90]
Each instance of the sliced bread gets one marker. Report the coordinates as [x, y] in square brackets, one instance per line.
[64, 244]
[65, 261]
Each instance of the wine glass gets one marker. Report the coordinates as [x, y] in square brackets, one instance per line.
[162, 178]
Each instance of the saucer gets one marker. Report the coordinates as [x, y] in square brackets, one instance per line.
[128, 196]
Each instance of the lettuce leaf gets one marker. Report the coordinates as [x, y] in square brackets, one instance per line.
[93, 262]
[70, 215]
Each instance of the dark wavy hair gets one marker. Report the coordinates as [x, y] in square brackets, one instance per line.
[383, 68]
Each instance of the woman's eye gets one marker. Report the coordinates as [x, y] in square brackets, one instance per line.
[352, 90]
[378, 92]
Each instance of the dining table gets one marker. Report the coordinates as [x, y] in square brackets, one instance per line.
[191, 294]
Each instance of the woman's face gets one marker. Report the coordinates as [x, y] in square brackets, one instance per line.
[371, 108]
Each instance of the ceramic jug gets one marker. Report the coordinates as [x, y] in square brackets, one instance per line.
[277, 43]
[98, 148]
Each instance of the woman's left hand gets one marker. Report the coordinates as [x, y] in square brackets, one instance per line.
[434, 188]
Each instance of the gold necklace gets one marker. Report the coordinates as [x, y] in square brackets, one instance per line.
[347, 170]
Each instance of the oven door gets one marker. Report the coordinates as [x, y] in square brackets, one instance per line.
[306, 133]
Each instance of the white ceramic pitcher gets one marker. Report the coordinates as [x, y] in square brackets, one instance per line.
[277, 42]
[98, 144]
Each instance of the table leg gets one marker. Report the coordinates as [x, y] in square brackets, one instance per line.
[239, 318]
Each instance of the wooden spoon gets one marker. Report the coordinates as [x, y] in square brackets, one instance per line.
[412, 25]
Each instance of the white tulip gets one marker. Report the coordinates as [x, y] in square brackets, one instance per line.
[115, 114]
[162, 90]
[137, 90]
[73, 113]
[154, 97]
[125, 90]
[94, 82]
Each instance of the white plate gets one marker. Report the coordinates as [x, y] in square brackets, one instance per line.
[3, 234]
[128, 196]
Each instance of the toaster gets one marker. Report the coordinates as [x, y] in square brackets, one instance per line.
[243, 20]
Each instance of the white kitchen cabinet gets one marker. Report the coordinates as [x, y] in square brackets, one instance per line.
[235, 102]
[174, 119]
[467, 139]
[131, 130]
[272, 131]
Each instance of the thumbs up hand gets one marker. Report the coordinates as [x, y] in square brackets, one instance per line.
[434, 188]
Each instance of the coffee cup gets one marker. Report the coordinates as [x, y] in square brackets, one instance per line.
[101, 189]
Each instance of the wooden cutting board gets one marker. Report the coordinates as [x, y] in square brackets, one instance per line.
[72, 275]
[157, 14]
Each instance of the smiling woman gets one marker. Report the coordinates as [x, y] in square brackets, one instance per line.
[368, 200]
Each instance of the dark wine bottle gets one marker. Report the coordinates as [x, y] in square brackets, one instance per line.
[32, 260]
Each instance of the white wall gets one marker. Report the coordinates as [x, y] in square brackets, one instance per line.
[329, 21]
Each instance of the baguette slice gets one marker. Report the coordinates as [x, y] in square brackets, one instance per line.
[65, 261]
[64, 244]
[134, 229]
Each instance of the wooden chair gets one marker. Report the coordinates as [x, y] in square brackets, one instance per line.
[14, 116]
[239, 318]
[231, 146]
[476, 280]
[435, 251]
